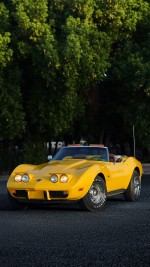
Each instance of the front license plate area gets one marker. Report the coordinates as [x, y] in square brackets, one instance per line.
[36, 195]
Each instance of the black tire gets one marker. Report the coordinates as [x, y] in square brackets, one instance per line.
[16, 204]
[96, 197]
[133, 191]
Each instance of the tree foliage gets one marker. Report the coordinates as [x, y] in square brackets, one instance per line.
[74, 68]
[122, 99]
[129, 81]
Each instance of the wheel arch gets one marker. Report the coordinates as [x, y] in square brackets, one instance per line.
[102, 176]
[130, 194]
[137, 169]
[92, 180]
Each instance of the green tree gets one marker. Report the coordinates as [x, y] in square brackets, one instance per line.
[64, 68]
[5, 50]
[60, 53]
[11, 113]
[127, 85]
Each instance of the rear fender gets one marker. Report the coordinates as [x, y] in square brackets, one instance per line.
[134, 165]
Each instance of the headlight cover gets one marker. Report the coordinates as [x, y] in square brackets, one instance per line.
[18, 178]
[64, 178]
[25, 178]
[54, 178]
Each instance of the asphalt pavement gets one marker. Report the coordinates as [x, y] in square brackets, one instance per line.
[61, 235]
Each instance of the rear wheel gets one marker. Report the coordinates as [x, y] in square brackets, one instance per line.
[96, 197]
[134, 188]
[15, 204]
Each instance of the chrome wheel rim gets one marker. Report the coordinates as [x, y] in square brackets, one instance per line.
[136, 186]
[97, 194]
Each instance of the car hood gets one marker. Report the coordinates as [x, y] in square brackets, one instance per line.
[62, 166]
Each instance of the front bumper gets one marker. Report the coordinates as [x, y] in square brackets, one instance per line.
[47, 195]
[40, 194]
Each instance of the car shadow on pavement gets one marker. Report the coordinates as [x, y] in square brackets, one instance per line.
[5, 205]
[118, 198]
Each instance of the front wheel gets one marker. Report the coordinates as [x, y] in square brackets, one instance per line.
[133, 191]
[96, 197]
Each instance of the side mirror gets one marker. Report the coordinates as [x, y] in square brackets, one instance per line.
[49, 157]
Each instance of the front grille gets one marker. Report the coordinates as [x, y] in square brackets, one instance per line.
[57, 194]
[45, 195]
[21, 193]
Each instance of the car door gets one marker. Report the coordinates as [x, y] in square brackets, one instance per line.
[116, 176]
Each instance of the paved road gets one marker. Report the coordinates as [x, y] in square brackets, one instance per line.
[60, 236]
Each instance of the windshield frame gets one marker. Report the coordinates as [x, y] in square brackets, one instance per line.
[82, 152]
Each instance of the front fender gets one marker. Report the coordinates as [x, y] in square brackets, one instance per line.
[82, 181]
[19, 169]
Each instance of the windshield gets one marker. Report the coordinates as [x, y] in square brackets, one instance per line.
[89, 153]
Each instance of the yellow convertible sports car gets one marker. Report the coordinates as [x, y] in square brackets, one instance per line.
[87, 174]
